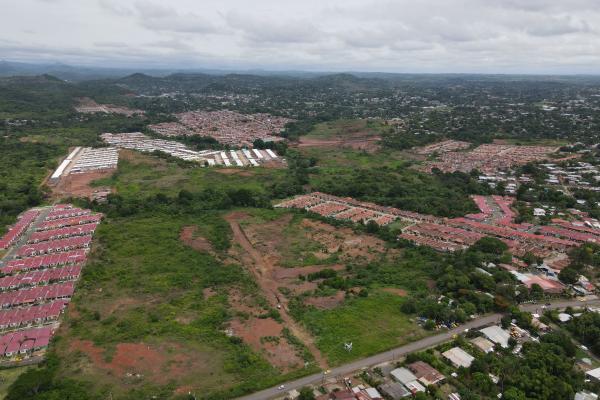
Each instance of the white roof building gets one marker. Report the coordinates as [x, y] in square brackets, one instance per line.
[497, 335]
[594, 374]
[483, 344]
[403, 375]
[458, 357]
[585, 396]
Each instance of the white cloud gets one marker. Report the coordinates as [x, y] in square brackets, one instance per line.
[386, 35]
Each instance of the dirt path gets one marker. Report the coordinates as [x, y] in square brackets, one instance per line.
[263, 273]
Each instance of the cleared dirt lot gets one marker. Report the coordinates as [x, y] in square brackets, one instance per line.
[266, 249]
[133, 363]
[79, 185]
[356, 141]
[357, 134]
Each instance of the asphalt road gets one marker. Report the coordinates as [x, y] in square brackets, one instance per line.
[398, 352]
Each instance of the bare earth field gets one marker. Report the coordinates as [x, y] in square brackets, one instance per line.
[354, 134]
[266, 249]
[79, 185]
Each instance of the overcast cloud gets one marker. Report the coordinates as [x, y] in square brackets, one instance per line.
[499, 36]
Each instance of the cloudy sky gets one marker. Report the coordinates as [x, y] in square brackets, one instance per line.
[500, 36]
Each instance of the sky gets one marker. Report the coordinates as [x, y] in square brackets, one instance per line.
[431, 36]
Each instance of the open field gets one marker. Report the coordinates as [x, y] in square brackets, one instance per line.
[151, 314]
[355, 134]
[145, 174]
[277, 238]
[372, 324]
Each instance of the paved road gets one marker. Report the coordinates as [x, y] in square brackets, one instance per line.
[398, 352]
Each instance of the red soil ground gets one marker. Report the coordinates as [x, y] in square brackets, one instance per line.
[78, 185]
[188, 237]
[156, 364]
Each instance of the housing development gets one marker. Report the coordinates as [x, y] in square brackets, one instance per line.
[237, 158]
[489, 158]
[45, 252]
[227, 127]
[179, 235]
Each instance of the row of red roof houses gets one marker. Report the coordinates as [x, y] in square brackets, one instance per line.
[37, 287]
[60, 223]
[54, 246]
[36, 295]
[25, 342]
[18, 318]
[41, 262]
[67, 212]
[15, 231]
[35, 278]
[61, 233]
[346, 208]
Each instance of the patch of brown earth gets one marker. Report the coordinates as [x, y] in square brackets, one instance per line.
[189, 238]
[120, 304]
[326, 303]
[208, 293]
[262, 269]
[351, 245]
[397, 291]
[243, 304]
[156, 364]
[266, 237]
[79, 185]
[287, 273]
[264, 336]
[234, 171]
[356, 141]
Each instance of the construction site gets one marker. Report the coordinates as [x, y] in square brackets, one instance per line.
[229, 158]
[80, 168]
[45, 251]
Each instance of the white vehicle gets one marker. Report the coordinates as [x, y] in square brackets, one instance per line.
[281, 387]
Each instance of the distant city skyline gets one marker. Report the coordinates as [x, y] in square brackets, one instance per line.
[430, 36]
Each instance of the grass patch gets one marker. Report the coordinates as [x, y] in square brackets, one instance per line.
[144, 174]
[373, 324]
[7, 377]
[142, 285]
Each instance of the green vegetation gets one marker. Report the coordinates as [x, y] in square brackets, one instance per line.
[373, 324]
[140, 264]
[402, 187]
[143, 287]
[7, 377]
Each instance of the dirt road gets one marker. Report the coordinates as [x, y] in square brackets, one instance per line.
[263, 273]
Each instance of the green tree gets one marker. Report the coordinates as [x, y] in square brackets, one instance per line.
[306, 393]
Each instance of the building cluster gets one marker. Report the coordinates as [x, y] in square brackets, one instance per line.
[444, 146]
[237, 158]
[47, 249]
[489, 158]
[494, 219]
[581, 175]
[86, 159]
[346, 208]
[227, 127]
[404, 379]
[89, 106]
